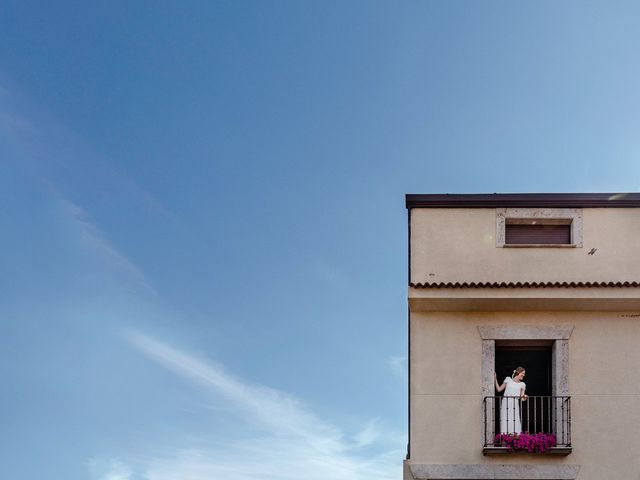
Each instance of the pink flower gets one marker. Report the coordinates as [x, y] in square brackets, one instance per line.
[538, 442]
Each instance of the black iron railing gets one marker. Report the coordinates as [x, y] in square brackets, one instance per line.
[537, 414]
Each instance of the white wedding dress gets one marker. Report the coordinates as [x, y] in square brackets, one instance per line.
[510, 421]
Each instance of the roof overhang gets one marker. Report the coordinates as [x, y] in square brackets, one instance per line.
[515, 200]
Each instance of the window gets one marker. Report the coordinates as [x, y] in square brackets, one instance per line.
[539, 227]
[537, 232]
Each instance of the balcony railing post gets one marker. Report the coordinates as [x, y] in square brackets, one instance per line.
[549, 415]
[562, 424]
[568, 421]
[492, 430]
[484, 418]
[489, 427]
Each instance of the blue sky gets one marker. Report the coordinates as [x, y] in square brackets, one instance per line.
[203, 225]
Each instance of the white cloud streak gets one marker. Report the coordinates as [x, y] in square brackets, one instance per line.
[289, 441]
[398, 365]
[11, 121]
[113, 469]
[369, 434]
[54, 151]
[95, 240]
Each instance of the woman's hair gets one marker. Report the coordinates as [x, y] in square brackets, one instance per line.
[517, 371]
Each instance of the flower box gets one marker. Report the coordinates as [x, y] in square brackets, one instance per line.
[527, 442]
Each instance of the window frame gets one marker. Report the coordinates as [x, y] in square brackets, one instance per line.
[545, 216]
[558, 334]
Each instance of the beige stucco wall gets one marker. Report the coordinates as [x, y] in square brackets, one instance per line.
[456, 245]
[446, 390]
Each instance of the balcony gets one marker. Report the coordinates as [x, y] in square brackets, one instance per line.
[549, 415]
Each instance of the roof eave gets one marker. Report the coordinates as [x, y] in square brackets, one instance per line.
[513, 200]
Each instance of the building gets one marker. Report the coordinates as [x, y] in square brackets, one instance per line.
[547, 281]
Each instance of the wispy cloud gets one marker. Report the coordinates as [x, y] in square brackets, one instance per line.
[369, 434]
[10, 120]
[331, 275]
[95, 240]
[398, 365]
[58, 155]
[113, 469]
[289, 440]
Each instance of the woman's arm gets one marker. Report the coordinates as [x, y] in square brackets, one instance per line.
[523, 396]
[499, 388]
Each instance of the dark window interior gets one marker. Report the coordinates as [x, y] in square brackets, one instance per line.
[537, 234]
[536, 360]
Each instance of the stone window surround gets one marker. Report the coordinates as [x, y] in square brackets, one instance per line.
[559, 334]
[551, 215]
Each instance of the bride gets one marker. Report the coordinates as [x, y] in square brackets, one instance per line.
[514, 387]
